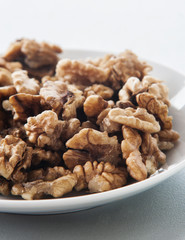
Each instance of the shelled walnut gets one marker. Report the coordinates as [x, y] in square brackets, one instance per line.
[45, 130]
[99, 177]
[39, 59]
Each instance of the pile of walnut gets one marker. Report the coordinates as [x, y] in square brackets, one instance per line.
[88, 124]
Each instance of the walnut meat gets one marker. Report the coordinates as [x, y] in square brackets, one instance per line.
[45, 130]
[71, 106]
[14, 154]
[124, 66]
[55, 94]
[5, 77]
[156, 107]
[130, 151]
[71, 127]
[130, 88]
[94, 105]
[99, 177]
[25, 105]
[38, 189]
[168, 135]
[24, 84]
[106, 124]
[136, 118]
[166, 139]
[4, 186]
[20, 174]
[132, 141]
[6, 92]
[76, 157]
[151, 153]
[99, 89]
[10, 66]
[100, 146]
[38, 59]
[39, 155]
[135, 166]
[17, 131]
[155, 87]
[48, 174]
[60, 96]
[74, 71]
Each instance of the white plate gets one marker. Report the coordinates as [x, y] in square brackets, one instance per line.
[175, 158]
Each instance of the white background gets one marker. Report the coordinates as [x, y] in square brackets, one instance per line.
[154, 30]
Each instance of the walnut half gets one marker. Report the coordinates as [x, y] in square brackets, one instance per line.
[38, 189]
[99, 145]
[99, 177]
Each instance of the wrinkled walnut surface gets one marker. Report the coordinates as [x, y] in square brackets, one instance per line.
[99, 177]
[100, 146]
[39, 59]
[45, 129]
[139, 119]
[38, 189]
[24, 84]
[13, 154]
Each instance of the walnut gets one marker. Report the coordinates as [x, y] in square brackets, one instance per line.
[76, 157]
[135, 67]
[39, 155]
[5, 77]
[99, 177]
[132, 141]
[124, 66]
[130, 151]
[131, 88]
[60, 96]
[123, 105]
[45, 130]
[151, 153]
[6, 92]
[4, 186]
[101, 61]
[7, 106]
[24, 84]
[156, 107]
[20, 175]
[49, 78]
[136, 118]
[48, 174]
[168, 135]
[99, 89]
[165, 145]
[76, 71]
[94, 105]
[38, 59]
[155, 87]
[135, 166]
[25, 105]
[166, 139]
[14, 154]
[5, 116]
[100, 146]
[88, 124]
[55, 94]
[71, 127]
[106, 124]
[38, 189]
[17, 131]
[10, 66]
